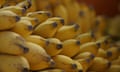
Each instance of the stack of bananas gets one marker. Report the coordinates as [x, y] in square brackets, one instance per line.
[55, 36]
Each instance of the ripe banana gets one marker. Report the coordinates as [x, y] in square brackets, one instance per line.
[67, 32]
[116, 62]
[43, 5]
[65, 63]
[46, 29]
[105, 42]
[86, 63]
[25, 4]
[34, 21]
[85, 37]
[11, 2]
[70, 47]
[8, 19]
[84, 55]
[18, 10]
[102, 53]
[23, 27]
[113, 53]
[52, 70]
[100, 64]
[114, 68]
[37, 57]
[58, 20]
[53, 46]
[12, 43]
[60, 11]
[9, 63]
[41, 15]
[2, 2]
[37, 40]
[90, 47]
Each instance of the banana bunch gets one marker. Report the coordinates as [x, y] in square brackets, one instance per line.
[56, 36]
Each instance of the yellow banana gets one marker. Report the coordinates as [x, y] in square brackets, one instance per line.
[70, 47]
[12, 43]
[23, 27]
[11, 2]
[37, 57]
[90, 47]
[105, 42]
[116, 61]
[102, 53]
[37, 40]
[67, 32]
[53, 46]
[113, 53]
[100, 64]
[84, 55]
[34, 21]
[65, 63]
[114, 68]
[43, 5]
[25, 4]
[86, 63]
[2, 2]
[60, 11]
[46, 29]
[8, 19]
[85, 37]
[18, 10]
[41, 15]
[9, 63]
[58, 20]
[52, 70]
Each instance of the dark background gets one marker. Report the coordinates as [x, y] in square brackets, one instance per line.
[104, 7]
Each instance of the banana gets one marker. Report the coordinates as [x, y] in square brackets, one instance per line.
[53, 46]
[43, 5]
[90, 47]
[18, 10]
[70, 47]
[46, 29]
[23, 27]
[11, 2]
[25, 4]
[100, 26]
[105, 42]
[2, 2]
[113, 53]
[52, 70]
[65, 63]
[72, 6]
[9, 63]
[114, 68]
[79, 66]
[84, 20]
[102, 53]
[60, 11]
[100, 64]
[37, 57]
[33, 7]
[116, 61]
[12, 43]
[37, 40]
[58, 20]
[85, 37]
[8, 19]
[84, 55]
[34, 21]
[67, 32]
[41, 15]
[86, 63]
